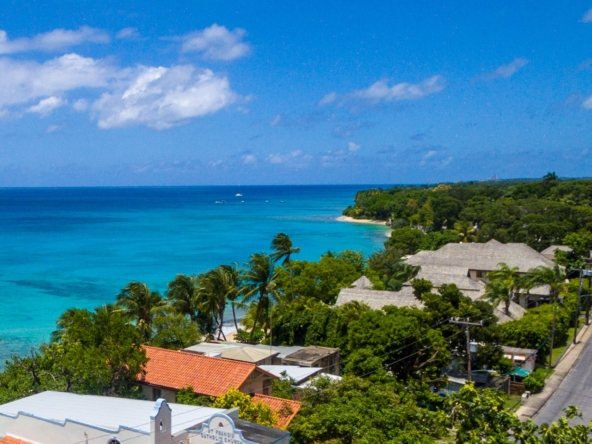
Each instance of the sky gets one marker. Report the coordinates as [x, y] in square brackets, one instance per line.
[134, 93]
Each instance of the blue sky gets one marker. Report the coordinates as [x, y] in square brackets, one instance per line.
[267, 92]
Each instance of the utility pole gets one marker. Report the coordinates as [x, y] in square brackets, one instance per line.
[467, 327]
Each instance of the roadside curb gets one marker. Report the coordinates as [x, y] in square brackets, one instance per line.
[533, 404]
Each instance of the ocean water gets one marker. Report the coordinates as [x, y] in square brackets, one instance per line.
[77, 247]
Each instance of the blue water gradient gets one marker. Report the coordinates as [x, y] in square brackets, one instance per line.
[77, 247]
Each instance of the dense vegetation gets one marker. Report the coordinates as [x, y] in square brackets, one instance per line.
[391, 359]
[538, 213]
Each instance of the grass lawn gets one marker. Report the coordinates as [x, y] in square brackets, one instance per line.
[558, 351]
[512, 402]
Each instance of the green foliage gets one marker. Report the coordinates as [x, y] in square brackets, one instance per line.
[141, 305]
[539, 213]
[284, 387]
[247, 409]
[535, 382]
[174, 331]
[322, 280]
[534, 329]
[364, 411]
[98, 353]
[188, 397]
[398, 341]
[479, 416]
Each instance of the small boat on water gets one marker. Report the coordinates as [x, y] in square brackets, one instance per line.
[220, 201]
[238, 195]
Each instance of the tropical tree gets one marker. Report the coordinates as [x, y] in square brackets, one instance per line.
[504, 283]
[466, 230]
[282, 249]
[233, 284]
[183, 295]
[141, 305]
[260, 286]
[554, 277]
[217, 286]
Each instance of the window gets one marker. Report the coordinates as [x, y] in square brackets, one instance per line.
[113, 440]
[156, 393]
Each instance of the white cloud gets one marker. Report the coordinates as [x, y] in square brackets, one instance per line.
[249, 159]
[587, 18]
[380, 91]
[128, 33]
[162, 97]
[587, 103]
[276, 120]
[217, 43]
[23, 81]
[504, 71]
[45, 106]
[287, 158]
[55, 128]
[80, 105]
[353, 146]
[52, 41]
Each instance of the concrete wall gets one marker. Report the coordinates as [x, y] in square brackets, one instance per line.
[148, 392]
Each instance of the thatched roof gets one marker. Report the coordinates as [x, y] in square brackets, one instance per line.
[439, 275]
[377, 299]
[551, 250]
[485, 257]
[362, 282]
[405, 298]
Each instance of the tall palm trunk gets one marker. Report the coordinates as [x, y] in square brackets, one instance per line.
[257, 316]
[234, 315]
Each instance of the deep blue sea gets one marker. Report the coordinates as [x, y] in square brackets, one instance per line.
[77, 247]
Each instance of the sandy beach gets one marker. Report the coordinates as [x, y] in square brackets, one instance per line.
[360, 221]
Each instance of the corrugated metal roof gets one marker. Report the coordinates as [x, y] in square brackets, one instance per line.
[103, 411]
[299, 374]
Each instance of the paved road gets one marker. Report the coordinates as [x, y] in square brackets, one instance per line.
[575, 389]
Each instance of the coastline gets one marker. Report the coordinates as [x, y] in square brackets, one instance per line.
[365, 222]
[360, 221]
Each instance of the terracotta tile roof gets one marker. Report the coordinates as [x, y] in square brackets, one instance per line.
[12, 440]
[208, 376]
[285, 409]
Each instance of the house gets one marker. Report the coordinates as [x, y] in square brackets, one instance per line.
[468, 264]
[298, 374]
[256, 354]
[169, 371]
[58, 417]
[315, 356]
[549, 252]
[521, 357]
[376, 299]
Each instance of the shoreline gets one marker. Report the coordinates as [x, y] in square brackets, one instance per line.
[366, 222]
[360, 221]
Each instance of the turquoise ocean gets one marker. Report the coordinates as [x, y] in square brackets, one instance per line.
[77, 247]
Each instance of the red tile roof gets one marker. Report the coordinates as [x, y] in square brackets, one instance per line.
[285, 409]
[206, 375]
[12, 440]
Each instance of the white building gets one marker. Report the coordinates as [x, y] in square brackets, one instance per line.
[58, 418]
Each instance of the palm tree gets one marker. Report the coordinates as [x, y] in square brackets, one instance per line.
[182, 294]
[282, 249]
[504, 283]
[554, 277]
[466, 230]
[259, 279]
[141, 305]
[233, 285]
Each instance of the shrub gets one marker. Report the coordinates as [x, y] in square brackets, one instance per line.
[535, 382]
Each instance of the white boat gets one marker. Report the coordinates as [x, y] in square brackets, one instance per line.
[238, 195]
